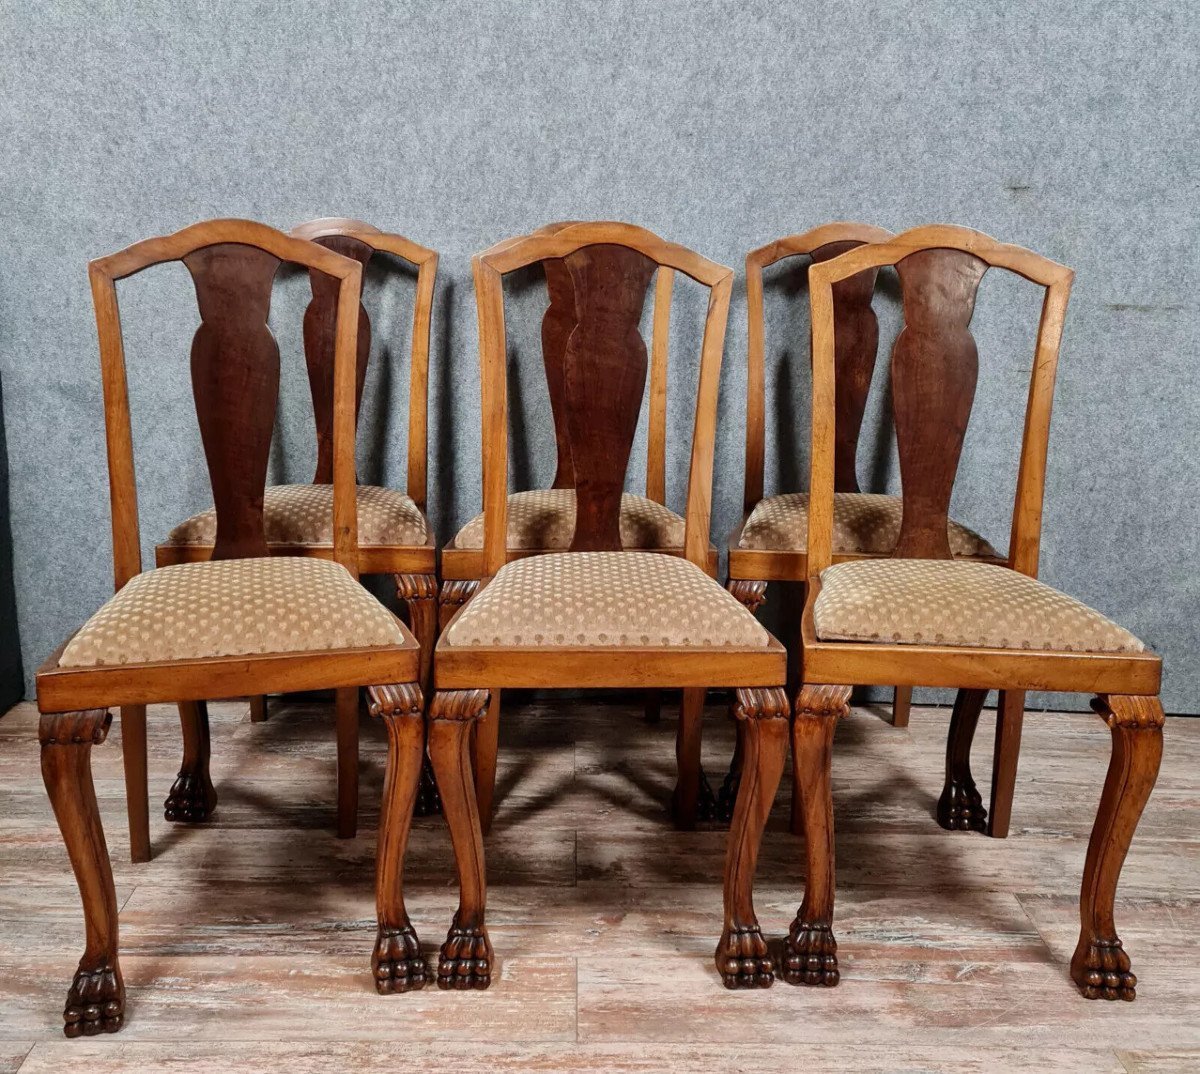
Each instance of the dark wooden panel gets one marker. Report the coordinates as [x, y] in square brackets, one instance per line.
[557, 325]
[935, 365]
[856, 342]
[235, 380]
[604, 380]
[320, 328]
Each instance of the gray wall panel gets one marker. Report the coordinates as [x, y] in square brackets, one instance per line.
[1066, 128]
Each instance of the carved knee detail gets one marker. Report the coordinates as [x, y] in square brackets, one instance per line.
[455, 593]
[751, 594]
[458, 705]
[410, 587]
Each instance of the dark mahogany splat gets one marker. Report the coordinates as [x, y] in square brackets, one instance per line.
[557, 325]
[604, 380]
[320, 330]
[856, 342]
[235, 381]
[935, 365]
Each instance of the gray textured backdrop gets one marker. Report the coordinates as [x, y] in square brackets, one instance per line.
[1069, 130]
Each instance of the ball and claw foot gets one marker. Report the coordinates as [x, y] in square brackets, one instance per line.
[397, 963]
[95, 1003]
[429, 801]
[743, 960]
[465, 961]
[1102, 971]
[707, 808]
[192, 799]
[960, 808]
[810, 956]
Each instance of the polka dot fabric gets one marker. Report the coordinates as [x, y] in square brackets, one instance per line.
[546, 519]
[234, 607]
[863, 522]
[303, 515]
[615, 599]
[962, 604]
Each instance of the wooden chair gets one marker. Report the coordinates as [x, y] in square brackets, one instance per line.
[394, 535]
[592, 616]
[245, 623]
[922, 617]
[770, 543]
[543, 520]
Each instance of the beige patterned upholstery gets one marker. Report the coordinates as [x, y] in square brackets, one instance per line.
[303, 515]
[629, 599]
[958, 603]
[863, 522]
[546, 519]
[234, 607]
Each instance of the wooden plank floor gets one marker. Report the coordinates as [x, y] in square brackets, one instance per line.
[245, 942]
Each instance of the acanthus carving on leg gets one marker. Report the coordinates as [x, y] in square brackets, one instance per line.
[455, 593]
[751, 594]
[810, 955]
[960, 808]
[96, 998]
[193, 797]
[396, 962]
[420, 593]
[465, 960]
[1100, 966]
[742, 958]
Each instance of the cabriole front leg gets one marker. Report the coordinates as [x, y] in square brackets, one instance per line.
[420, 593]
[465, 961]
[762, 715]
[396, 962]
[960, 808]
[193, 797]
[810, 956]
[96, 999]
[1100, 966]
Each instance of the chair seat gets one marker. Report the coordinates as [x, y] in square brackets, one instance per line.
[863, 522]
[545, 519]
[610, 599]
[303, 515]
[233, 607]
[959, 604]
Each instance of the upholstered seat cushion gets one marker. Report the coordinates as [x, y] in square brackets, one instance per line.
[958, 603]
[303, 515]
[864, 522]
[233, 607]
[546, 519]
[612, 599]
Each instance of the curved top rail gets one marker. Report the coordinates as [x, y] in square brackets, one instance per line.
[513, 254]
[1034, 267]
[808, 241]
[384, 241]
[175, 247]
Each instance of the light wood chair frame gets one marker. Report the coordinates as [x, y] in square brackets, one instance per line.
[412, 567]
[74, 701]
[1126, 684]
[464, 676]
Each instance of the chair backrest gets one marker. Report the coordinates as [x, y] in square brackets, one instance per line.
[235, 378]
[353, 238]
[857, 342]
[603, 371]
[933, 373]
[558, 322]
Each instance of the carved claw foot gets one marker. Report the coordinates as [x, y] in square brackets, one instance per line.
[429, 801]
[397, 963]
[810, 956]
[727, 795]
[192, 799]
[465, 960]
[1102, 971]
[742, 959]
[95, 1003]
[960, 808]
